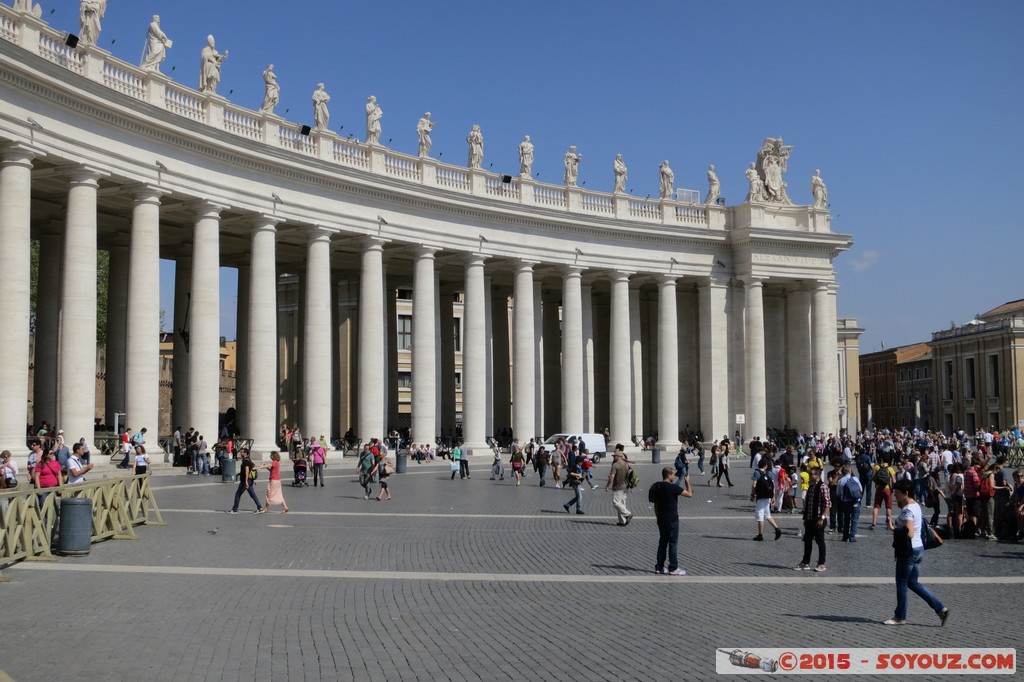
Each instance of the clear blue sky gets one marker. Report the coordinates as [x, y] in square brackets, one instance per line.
[912, 110]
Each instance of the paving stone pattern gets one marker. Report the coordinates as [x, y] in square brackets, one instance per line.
[467, 580]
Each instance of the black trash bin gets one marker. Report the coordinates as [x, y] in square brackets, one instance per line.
[227, 470]
[401, 461]
[655, 455]
[75, 535]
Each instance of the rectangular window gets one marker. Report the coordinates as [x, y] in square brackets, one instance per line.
[404, 380]
[969, 381]
[992, 380]
[405, 332]
[948, 381]
[458, 334]
[405, 294]
[458, 381]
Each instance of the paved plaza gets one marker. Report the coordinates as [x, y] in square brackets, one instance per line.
[469, 580]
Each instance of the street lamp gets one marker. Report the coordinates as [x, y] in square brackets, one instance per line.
[856, 424]
[871, 426]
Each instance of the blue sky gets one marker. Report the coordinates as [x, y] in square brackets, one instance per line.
[911, 109]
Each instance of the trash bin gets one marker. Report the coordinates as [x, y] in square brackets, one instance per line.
[227, 470]
[656, 456]
[75, 535]
[401, 461]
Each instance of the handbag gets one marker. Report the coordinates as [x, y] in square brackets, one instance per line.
[455, 465]
[930, 538]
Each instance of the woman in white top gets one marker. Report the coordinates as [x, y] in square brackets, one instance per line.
[909, 550]
[140, 464]
[10, 470]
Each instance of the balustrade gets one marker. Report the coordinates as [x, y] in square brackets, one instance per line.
[351, 154]
[645, 210]
[453, 178]
[52, 47]
[8, 30]
[549, 196]
[184, 103]
[240, 122]
[290, 137]
[123, 81]
[495, 187]
[593, 202]
[401, 166]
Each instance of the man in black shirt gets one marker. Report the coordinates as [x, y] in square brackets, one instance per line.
[665, 496]
[247, 484]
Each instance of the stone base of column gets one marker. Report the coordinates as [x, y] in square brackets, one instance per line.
[260, 452]
[476, 450]
[668, 446]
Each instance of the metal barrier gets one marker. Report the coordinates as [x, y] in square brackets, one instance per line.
[29, 516]
[1015, 457]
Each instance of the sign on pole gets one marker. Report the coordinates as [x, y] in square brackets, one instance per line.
[741, 419]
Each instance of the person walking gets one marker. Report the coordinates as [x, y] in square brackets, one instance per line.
[518, 462]
[664, 495]
[816, 514]
[618, 482]
[848, 494]
[463, 463]
[908, 548]
[380, 468]
[724, 450]
[319, 458]
[246, 480]
[365, 468]
[762, 490]
[274, 493]
[541, 461]
[574, 480]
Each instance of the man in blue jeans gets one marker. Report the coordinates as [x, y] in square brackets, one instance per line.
[665, 496]
[909, 549]
[247, 484]
[848, 492]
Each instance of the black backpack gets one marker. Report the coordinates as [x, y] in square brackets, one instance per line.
[764, 487]
[882, 477]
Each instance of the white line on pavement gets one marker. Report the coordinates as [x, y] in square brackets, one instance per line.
[503, 577]
[430, 515]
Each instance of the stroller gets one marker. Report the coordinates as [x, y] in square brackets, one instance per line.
[299, 469]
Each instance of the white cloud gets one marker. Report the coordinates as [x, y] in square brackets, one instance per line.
[865, 260]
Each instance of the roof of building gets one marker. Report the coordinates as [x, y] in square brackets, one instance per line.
[914, 352]
[1011, 309]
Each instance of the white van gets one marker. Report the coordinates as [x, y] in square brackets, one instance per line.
[594, 442]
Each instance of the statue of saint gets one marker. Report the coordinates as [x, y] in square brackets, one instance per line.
[271, 91]
[819, 190]
[28, 6]
[321, 116]
[771, 164]
[525, 157]
[157, 44]
[423, 128]
[89, 14]
[756, 192]
[476, 146]
[714, 188]
[209, 67]
[572, 166]
[620, 169]
[668, 180]
[373, 116]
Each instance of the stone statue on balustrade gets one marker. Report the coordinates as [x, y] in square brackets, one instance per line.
[90, 12]
[271, 91]
[321, 116]
[373, 115]
[423, 128]
[209, 67]
[619, 167]
[34, 9]
[157, 44]
[819, 190]
[756, 192]
[771, 164]
[476, 146]
[525, 157]
[668, 180]
[714, 187]
[572, 167]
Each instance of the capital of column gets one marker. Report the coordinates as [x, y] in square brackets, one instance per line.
[19, 154]
[424, 251]
[144, 193]
[202, 208]
[668, 278]
[373, 243]
[525, 265]
[572, 272]
[317, 233]
[474, 259]
[752, 280]
[620, 276]
[264, 221]
[85, 176]
[714, 281]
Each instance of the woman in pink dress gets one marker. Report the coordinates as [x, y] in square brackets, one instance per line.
[274, 494]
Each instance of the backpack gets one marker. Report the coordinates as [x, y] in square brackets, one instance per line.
[883, 476]
[853, 490]
[764, 487]
[253, 473]
[986, 486]
[632, 479]
[863, 464]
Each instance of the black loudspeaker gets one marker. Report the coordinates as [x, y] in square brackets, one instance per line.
[506, 179]
[71, 41]
[305, 130]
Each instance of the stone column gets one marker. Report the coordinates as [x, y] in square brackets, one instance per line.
[260, 416]
[753, 322]
[572, 350]
[371, 345]
[714, 353]
[620, 363]
[832, 425]
[204, 323]
[242, 303]
[636, 361]
[179, 371]
[551, 387]
[424, 350]
[474, 357]
[316, 338]
[117, 325]
[588, 360]
[76, 390]
[142, 339]
[668, 366]
[446, 346]
[538, 358]
[44, 393]
[823, 358]
[524, 424]
[15, 257]
[798, 358]
[501, 375]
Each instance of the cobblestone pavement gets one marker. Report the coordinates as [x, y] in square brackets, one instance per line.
[469, 580]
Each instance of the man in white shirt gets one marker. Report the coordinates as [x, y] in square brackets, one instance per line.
[76, 468]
